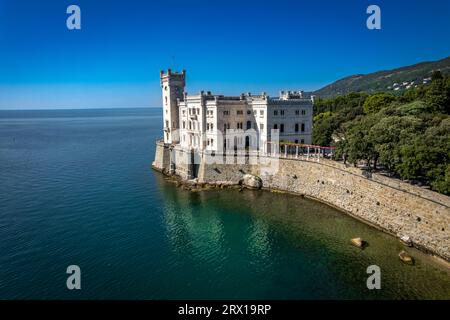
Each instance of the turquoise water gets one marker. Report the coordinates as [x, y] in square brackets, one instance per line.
[76, 188]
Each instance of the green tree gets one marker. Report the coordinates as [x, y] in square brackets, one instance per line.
[437, 94]
[377, 101]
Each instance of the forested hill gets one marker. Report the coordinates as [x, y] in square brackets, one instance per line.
[395, 80]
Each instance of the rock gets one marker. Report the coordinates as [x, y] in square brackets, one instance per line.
[406, 258]
[406, 240]
[358, 242]
[252, 181]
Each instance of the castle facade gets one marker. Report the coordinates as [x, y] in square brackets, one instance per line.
[209, 122]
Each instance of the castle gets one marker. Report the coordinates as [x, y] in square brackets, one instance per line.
[203, 122]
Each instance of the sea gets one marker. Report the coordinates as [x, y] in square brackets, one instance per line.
[77, 188]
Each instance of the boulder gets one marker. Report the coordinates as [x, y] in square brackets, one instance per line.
[252, 181]
[358, 242]
[406, 240]
[406, 258]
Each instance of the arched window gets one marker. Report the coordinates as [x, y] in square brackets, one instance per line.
[249, 125]
[303, 127]
[296, 127]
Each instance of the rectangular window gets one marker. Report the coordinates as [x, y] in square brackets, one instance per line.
[282, 127]
[261, 126]
[297, 112]
[249, 112]
[303, 112]
[275, 112]
[261, 113]
[303, 127]
[282, 112]
[240, 112]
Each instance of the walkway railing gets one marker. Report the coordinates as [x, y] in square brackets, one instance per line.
[289, 150]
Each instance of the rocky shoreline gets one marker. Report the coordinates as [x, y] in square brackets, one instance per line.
[254, 183]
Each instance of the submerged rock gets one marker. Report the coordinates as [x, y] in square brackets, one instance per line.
[358, 242]
[252, 181]
[406, 258]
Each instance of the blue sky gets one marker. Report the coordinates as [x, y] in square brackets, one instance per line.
[226, 47]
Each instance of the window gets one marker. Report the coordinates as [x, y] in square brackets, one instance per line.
[282, 112]
[249, 112]
[167, 124]
[303, 112]
[282, 127]
[296, 127]
[296, 141]
[275, 126]
[249, 125]
[297, 112]
[302, 141]
[240, 112]
[226, 112]
[261, 113]
[184, 112]
[303, 127]
[239, 125]
[184, 124]
[275, 112]
[261, 126]
[166, 99]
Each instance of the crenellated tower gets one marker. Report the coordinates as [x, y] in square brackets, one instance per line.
[172, 85]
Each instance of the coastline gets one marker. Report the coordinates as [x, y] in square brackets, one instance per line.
[388, 205]
[193, 186]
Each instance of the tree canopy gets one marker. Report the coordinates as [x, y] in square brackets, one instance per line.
[408, 134]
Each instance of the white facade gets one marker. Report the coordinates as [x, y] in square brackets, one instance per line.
[216, 122]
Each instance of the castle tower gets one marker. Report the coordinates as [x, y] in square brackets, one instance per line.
[172, 85]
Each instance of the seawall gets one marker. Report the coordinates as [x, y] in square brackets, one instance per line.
[389, 204]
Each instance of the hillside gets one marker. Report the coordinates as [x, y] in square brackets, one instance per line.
[395, 80]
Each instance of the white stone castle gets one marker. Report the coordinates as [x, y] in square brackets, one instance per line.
[202, 122]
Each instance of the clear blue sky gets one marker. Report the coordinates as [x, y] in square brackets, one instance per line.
[227, 47]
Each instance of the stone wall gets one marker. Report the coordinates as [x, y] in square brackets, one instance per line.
[393, 206]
